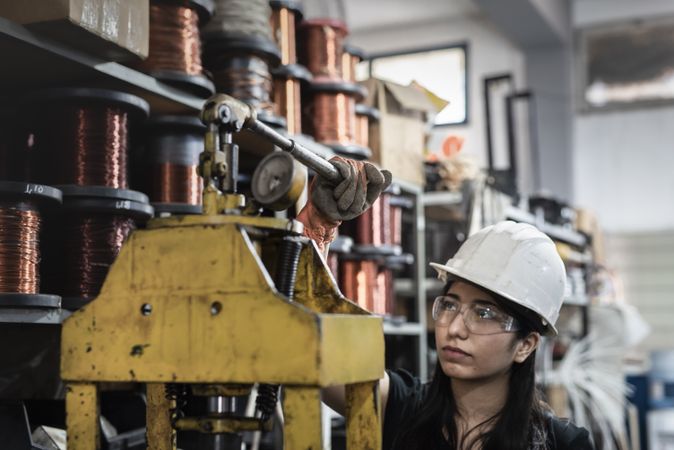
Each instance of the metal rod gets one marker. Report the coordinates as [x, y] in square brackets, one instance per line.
[322, 167]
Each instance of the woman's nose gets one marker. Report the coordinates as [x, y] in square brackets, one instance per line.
[457, 326]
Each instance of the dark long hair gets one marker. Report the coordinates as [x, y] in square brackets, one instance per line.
[519, 425]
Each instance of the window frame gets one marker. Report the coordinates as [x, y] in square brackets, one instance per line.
[449, 46]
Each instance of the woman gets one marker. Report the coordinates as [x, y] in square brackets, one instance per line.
[504, 289]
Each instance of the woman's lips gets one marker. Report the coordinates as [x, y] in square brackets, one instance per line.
[454, 353]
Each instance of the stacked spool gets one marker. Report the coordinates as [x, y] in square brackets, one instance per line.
[81, 145]
[289, 76]
[175, 44]
[169, 164]
[366, 274]
[22, 208]
[240, 52]
[331, 116]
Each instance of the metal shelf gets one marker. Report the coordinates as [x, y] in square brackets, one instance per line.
[36, 316]
[33, 62]
[441, 198]
[554, 231]
[403, 329]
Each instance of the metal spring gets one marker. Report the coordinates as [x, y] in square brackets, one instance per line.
[287, 101]
[92, 243]
[322, 49]
[247, 78]
[175, 43]
[333, 118]
[84, 146]
[19, 248]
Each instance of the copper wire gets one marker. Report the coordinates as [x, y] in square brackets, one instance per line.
[246, 78]
[334, 118]
[396, 225]
[349, 63]
[85, 146]
[19, 248]
[358, 281]
[323, 49]
[175, 43]
[287, 101]
[383, 298]
[92, 242]
[362, 131]
[174, 183]
[283, 29]
[374, 224]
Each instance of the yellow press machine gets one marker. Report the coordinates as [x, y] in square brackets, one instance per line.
[218, 302]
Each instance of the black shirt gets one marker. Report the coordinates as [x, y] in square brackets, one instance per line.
[406, 393]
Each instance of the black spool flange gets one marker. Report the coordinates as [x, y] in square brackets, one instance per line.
[18, 300]
[197, 85]
[371, 113]
[293, 71]
[205, 8]
[98, 199]
[219, 45]
[354, 51]
[359, 92]
[294, 6]
[137, 107]
[42, 195]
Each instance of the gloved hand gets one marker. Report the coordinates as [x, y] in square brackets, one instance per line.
[329, 205]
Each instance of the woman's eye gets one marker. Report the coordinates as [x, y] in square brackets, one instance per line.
[450, 306]
[486, 313]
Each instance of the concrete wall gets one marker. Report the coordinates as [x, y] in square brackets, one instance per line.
[490, 52]
[623, 160]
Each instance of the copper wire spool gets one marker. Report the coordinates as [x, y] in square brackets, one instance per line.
[287, 94]
[362, 131]
[351, 56]
[288, 103]
[247, 78]
[84, 240]
[384, 295]
[82, 135]
[171, 158]
[93, 241]
[374, 224]
[19, 248]
[284, 17]
[175, 43]
[365, 115]
[358, 281]
[322, 47]
[333, 118]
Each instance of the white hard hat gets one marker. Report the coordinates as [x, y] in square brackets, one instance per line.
[517, 262]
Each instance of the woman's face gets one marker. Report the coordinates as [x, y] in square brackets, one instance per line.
[468, 356]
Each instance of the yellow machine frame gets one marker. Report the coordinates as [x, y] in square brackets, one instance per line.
[189, 301]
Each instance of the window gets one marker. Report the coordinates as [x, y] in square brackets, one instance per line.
[443, 71]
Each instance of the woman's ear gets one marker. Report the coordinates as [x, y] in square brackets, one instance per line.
[526, 347]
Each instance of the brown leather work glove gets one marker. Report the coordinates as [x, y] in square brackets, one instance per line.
[329, 205]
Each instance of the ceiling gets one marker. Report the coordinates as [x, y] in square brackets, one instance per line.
[372, 14]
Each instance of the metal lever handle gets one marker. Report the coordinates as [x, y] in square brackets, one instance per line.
[321, 166]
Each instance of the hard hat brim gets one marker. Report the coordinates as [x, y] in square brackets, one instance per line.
[444, 270]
